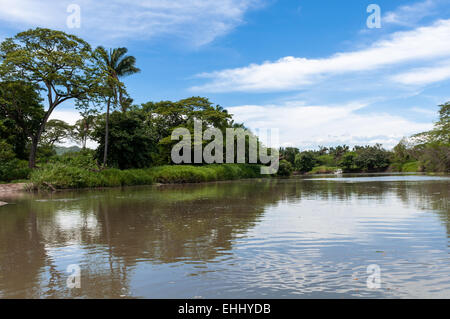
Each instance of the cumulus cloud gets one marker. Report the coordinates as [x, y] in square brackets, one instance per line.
[410, 14]
[289, 73]
[424, 76]
[198, 21]
[309, 126]
[70, 117]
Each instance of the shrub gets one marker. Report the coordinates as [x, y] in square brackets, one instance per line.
[285, 168]
[304, 162]
[82, 159]
[411, 167]
[59, 175]
[372, 158]
[14, 170]
[11, 168]
[436, 157]
[324, 169]
[326, 160]
[63, 176]
[347, 161]
[131, 141]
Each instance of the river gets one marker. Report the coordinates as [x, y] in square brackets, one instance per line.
[303, 237]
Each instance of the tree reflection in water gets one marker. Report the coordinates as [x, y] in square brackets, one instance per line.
[111, 232]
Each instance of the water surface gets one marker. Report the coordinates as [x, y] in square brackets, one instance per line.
[287, 238]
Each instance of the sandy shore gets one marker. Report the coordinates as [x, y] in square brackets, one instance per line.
[11, 188]
[9, 192]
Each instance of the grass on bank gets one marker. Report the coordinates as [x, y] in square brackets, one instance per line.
[63, 176]
[323, 169]
[411, 167]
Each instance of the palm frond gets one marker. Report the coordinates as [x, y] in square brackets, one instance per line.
[127, 66]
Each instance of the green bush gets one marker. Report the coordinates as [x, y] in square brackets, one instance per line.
[63, 176]
[347, 162]
[305, 161]
[395, 167]
[82, 159]
[285, 169]
[207, 173]
[411, 167]
[323, 170]
[326, 160]
[59, 175]
[11, 168]
[14, 170]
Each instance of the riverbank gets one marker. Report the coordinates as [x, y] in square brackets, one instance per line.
[62, 176]
[11, 188]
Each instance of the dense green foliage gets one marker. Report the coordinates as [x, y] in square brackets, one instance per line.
[206, 173]
[132, 143]
[285, 168]
[305, 161]
[427, 151]
[67, 176]
[328, 160]
[11, 168]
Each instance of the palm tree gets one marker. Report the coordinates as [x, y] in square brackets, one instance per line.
[117, 65]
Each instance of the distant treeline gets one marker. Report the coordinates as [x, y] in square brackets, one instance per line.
[423, 152]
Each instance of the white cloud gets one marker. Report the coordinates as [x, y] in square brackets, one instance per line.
[310, 126]
[198, 21]
[410, 14]
[288, 73]
[424, 76]
[70, 117]
[428, 112]
[67, 116]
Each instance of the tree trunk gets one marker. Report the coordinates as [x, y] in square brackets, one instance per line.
[105, 155]
[85, 132]
[35, 140]
[32, 157]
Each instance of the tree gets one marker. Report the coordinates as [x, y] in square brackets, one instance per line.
[289, 154]
[370, 158]
[285, 169]
[132, 143]
[441, 131]
[401, 152]
[60, 64]
[338, 151]
[305, 161]
[347, 161]
[21, 113]
[116, 65]
[165, 116]
[55, 132]
[432, 148]
[83, 129]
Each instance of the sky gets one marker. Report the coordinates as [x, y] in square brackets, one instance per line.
[313, 69]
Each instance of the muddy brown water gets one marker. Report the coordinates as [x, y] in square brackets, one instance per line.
[287, 238]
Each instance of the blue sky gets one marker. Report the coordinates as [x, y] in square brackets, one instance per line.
[312, 69]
